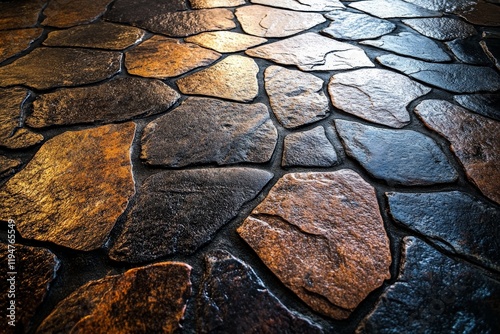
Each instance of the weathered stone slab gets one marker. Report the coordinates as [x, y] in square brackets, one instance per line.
[179, 211]
[201, 4]
[353, 26]
[379, 96]
[483, 104]
[482, 14]
[303, 5]
[444, 5]
[441, 28]
[396, 156]
[20, 14]
[468, 51]
[322, 235]
[68, 13]
[225, 41]
[392, 8]
[7, 165]
[137, 12]
[309, 149]
[74, 188]
[13, 42]
[491, 47]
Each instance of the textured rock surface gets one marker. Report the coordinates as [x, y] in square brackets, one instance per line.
[379, 96]
[468, 51]
[392, 8]
[7, 165]
[347, 25]
[74, 189]
[484, 104]
[13, 42]
[200, 4]
[138, 12]
[303, 5]
[444, 5]
[481, 13]
[123, 303]
[323, 236]
[397, 156]
[23, 14]
[491, 47]
[179, 211]
[441, 28]
[67, 13]
[225, 41]
[309, 149]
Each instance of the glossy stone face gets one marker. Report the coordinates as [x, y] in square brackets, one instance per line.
[468, 51]
[347, 25]
[304, 5]
[225, 41]
[441, 28]
[13, 42]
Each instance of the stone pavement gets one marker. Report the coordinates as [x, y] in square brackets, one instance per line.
[250, 166]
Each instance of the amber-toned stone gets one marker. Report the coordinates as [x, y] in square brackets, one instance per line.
[323, 236]
[201, 4]
[20, 14]
[234, 78]
[309, 149]
[149, 299]
[303, 5]
[74, 189]
[68, 13]
[473, 138]
[13, 42]
[441, 28]
[225, 41]
[7, 165]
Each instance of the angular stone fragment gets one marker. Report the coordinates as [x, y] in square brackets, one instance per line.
[379, 96]
[482, 14]
[435, 293]
[444, 5]
[7, 165]
[149, 299]
[137, 12]
[397, 156]
[474, 140]
[303, 5]
[45, 68]
[296, 98]
[313, 52]
[483, 104]
[309, 149]
[201, 4]
[13, 42]
[323, 236]
[179, 211]
[347, 25]
[20, 14]
[468, 51]
[233, 78]
[234, 300]
[74, 189]
[68, 13]
[392, 8]
[116, 100]
[225, 41]
[203, 131]
[441, 28]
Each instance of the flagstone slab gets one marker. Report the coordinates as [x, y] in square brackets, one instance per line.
[20, 14]
[441, 28]
[137, 12]
[392, 8]
[225, 41]
[68, 13]
[482, 14]
[444, 5]
[309, 149]
[354, 26]
[7, 165]
[468, 51]
[201, 4]
[13, 42]
[483, 104]
[491, 47]
[303, 5]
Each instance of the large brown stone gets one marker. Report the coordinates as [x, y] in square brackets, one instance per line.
[68, 13]
[74, 188]
[225, 41]
[303, 5]
[201, 4]
[13, 42]
[20, 14]
[323, 236]
[7, 165]
[473, 138]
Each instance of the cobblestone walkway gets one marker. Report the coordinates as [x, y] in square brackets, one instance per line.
[250, 166]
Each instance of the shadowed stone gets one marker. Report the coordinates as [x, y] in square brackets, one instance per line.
[303, 5]
[468, 51]
[444, 5]
[234, 300]
[7, 165]
[379, 96]
[137, 301]
[201, 4]
[347, 25]
[322, 235]
[74, 189]
[179, 211]
[225, 41]
[441, 28]
[309, 149]
[13, 42]
[313, 52]
[137, 12]
[233, 78]
[492, 49]
[45, 68]
[296, 98]
[68, 13]
[436, 294]
[396, 156]
[474, 140]
[203, 131]
[116, 100]
[482, 14]
[20, 14]
[392, 8]
[483, 104]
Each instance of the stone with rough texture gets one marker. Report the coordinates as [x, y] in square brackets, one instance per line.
[397, 156]
[116, 100]
[233, 78]
[392, 8]
[482, 14]
[309, 149]
[179, 211]
[468, 51]
[474, 140]
[322, 235]
[7, 165]
[435, 294]
[201, 4]
[234, 300]
[303, 5]
[444, 5]
[483, 104]
[378, 96]
[20, 14]
[137, 12]
[74, 188]
[137, 301]
[296, 98]
[68, 13]
[347, 25]
[313, 52]
[225, 41]
[45, 68]
[441, 28]
[13, 42]
[204, 131]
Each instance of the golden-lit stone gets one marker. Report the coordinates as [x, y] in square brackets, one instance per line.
[68, 13]
[14, 41]
[200, 4]
[20, 14]
[226, 41]
[7, 165]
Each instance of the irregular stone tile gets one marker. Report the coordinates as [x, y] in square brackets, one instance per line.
[162, 57]
[313, 52]
[296, 98]
[347, 25]
[468, 51]
[7, 165]
[234, 300]
[492, 49]
[413, 45]
[323, 236]
[113, 101]
[392, 8]
[201, 4]
[271, 22]
[137, 301]
[309, 149]
[34, 269]
[233, 78]
[137, 12]
[379, 96]
[474, 140]
[483, 104]
[225, 41]
[45, 68]
[20, 14]
[458, 78]
[303, 5]
[444, 5]
[441, 28]
[482, 14]
[397, 156]
[203, 131]
[179, 211]
[13, 42]
[68, 13]
[21, 138]
[74, 188]
[436, 294]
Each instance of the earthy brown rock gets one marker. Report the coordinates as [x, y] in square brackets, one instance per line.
[303, 5]
[162, 57]
[473, 138]
[392, 8]
[481, 13]
[225, 41]
[234, 78]
[74, 189]
[13, 42]
[7, 165]
[201, 4]
[68, 13]
[441, 28]
[309, 149]
[323, 236]
[20, 14]
[149, 299]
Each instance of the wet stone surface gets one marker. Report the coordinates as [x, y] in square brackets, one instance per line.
[444, 5]
[225, 41]
[441, 28]
[303, 5]
[309, 149]
[347, 25]
[392, 8]
[483, 104]
[138, 12]
[468, 51]
[13, 42]
[23, 15]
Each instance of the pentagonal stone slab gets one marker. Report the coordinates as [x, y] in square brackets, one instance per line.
[74, 189]
[483, 104]
[179, 211]
[137, 12]
[200, 4]
[225, 41]
[322, 235]
[309, 149]
[378, 96]
[20, 14]
[347, 25]
[441, 28]
[468, 51]
[482, 14]
[13, 42]
[7, 165]
[392, 8]
[397, 156]
[67, 13]
[303, 5]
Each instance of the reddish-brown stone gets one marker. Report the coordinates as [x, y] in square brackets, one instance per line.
[68, 13]
[13, 42]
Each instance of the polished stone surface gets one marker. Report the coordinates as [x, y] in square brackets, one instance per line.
[12, 42]
[482, 14]
[309, 149]
[225, 41]
[353, 26]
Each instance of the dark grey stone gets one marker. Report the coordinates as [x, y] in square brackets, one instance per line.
[443, 5]
[441, 28]
[309, 149]
[347, 25]
[483, 104]
[468, 51]
[491, 47]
